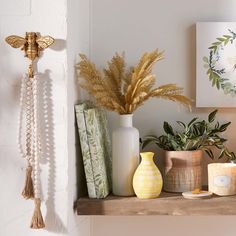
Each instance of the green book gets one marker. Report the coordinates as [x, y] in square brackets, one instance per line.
[106, 145]
[95, 123]
[96, 149]
[88, 169]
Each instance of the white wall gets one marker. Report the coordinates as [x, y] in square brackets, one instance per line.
[77, 41]
[137, 26]
[58, 171]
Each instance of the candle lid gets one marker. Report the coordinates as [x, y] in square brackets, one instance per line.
[197, 194]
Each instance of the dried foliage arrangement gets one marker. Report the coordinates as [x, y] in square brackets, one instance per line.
[124, 90]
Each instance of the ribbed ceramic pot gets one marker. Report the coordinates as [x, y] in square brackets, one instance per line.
[147, 181]
[125, 156]
[182, 171]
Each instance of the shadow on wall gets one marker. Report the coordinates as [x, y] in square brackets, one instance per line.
[58, 45]
[52, 220]
[191, 61]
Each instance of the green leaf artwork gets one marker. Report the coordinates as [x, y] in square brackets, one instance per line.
[217, 73]
[79, 109]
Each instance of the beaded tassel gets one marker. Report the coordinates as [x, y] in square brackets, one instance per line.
[29, 113]
[26, 106]
[28, 191]
[37, 219]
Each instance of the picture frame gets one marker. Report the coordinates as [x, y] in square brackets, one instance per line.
[216, 64]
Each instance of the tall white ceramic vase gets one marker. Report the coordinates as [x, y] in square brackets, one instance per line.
[125, 156]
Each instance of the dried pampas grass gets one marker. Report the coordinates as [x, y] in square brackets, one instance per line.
[123, 91]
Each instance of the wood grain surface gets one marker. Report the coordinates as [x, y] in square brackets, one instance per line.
[166, 204]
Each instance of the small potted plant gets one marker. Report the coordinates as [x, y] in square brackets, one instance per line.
[182, 165]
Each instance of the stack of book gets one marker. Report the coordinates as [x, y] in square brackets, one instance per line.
[96, 148]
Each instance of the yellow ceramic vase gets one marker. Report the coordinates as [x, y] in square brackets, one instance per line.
[147, 181]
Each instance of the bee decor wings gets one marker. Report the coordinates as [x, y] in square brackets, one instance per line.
[16, 41]
[44, 41]
[31, 44]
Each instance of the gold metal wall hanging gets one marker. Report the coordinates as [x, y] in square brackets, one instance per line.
[29, 141]
[32, 44]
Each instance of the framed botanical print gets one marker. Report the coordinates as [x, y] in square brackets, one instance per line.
[216, 64]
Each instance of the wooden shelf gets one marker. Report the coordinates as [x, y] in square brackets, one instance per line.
[166, 204]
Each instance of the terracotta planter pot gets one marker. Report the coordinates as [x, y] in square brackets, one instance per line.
[182, 171]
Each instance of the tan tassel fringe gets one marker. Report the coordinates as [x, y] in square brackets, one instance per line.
[28, 191]
[37, 219]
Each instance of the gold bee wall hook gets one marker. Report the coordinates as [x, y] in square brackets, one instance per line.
[32, 44]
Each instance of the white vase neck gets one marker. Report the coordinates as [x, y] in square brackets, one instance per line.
[126, 120]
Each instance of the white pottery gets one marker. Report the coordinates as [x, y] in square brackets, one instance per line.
[125, 156]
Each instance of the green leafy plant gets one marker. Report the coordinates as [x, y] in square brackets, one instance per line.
[196, 135]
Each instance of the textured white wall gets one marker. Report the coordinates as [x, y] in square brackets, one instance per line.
[58, 175]
[77, 41]
[136, 26]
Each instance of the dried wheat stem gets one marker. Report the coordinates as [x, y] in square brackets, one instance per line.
[124, 91]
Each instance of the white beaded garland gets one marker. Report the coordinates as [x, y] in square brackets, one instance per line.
[20, 120]
[36, 140]
[28, 122]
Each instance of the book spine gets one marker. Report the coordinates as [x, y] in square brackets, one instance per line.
[88, 167]
[106, 144]
[95, 141]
